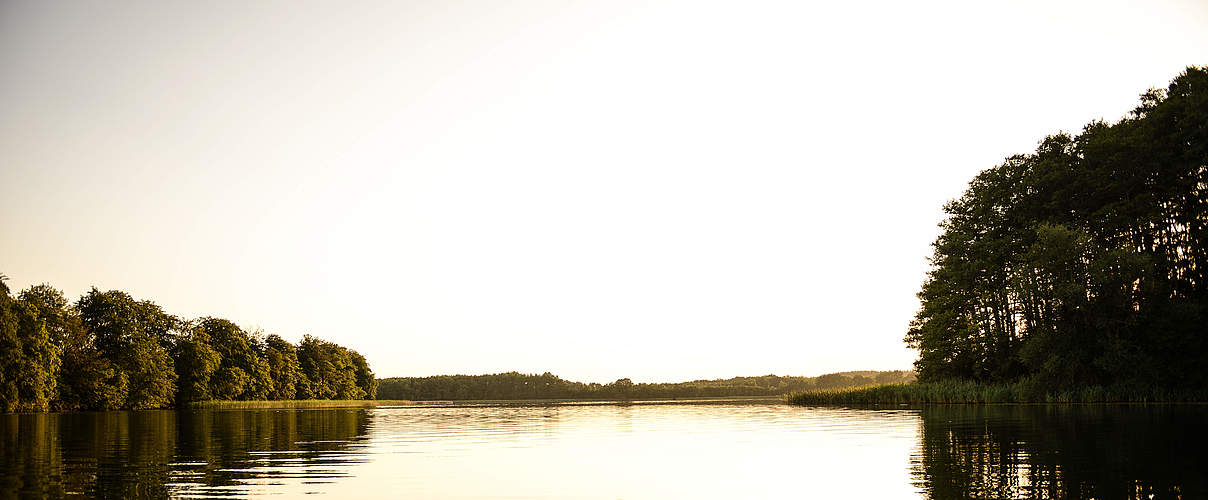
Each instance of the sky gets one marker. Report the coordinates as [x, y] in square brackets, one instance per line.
[663, 191]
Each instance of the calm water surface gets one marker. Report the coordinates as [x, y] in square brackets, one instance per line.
[621, 451]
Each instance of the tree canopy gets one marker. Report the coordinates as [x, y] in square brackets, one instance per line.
[110, 351]
[1082, 263]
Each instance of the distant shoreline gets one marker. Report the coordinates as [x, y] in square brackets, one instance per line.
[307, 404]
[975, 393]
[513, 386]
[373, 403]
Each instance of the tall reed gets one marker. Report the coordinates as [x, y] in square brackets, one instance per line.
[967, 392]
[289, 404]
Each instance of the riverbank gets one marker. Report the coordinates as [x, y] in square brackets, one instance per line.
[547, 386]
[292, 404]
[964, 392]
[372, 403]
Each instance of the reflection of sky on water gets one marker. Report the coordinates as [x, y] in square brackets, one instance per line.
[634, 451]
[764, 450]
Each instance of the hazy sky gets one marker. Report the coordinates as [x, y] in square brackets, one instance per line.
[654, 190]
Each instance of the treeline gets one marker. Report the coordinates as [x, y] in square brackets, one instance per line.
[1083, 263]
[513, 385]
[109, 351]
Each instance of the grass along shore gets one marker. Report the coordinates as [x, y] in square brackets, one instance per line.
[290, 404]
[965, 392]
[371, 403]
[944, 392]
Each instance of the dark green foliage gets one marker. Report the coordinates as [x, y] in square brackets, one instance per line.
[1082, 264]
[329, 370]
[133, 335]
[283, 367]
[85, 378]
[514, 385]
[90, 381]
[69, 338]
[29, 361]
[109, 351]
[365, 380]
[242, 372]
[196, 362]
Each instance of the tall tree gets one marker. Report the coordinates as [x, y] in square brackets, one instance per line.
[196, 361]
[29, 361]
[329, 370]
[1085, 262]
[284, 370]
[242, 373]
[133, 335]
[365, 380]
[85, 379]
[109, 351]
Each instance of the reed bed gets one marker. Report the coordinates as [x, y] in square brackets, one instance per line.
[358, 403]
[966, 392]
[291, 404]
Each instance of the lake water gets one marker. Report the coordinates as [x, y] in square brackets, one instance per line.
[728, 450]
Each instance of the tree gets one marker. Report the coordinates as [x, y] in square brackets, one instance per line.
[284, 370]
[133, 335]
[85, 379]
[1083, 263]
[109, 351]
[329, 370]
[29, 361]
[365, 380]
[196, 361]
[242, 373]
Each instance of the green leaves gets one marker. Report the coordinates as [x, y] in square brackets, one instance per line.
[110, 351]
[330, 370]
[132, 335]
[1064, 265]
[284, 370]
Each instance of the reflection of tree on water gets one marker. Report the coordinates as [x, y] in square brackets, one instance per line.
[227, 448]
[153, 454]
[1082, 452]
[104, 454]
[29, 452]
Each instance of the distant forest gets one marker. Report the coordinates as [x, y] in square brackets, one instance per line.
[109, 351]
[1084, 263]
[514, 385]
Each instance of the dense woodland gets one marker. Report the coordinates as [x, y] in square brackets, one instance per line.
[1083, 263]
[514, 385]
[109, 351]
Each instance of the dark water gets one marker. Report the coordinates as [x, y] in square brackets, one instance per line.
[697, 451]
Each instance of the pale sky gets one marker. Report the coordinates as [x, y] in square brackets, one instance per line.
[657, 190]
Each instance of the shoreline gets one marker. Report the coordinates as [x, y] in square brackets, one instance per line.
[374, 403]
[306, 404]
[974, 393]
